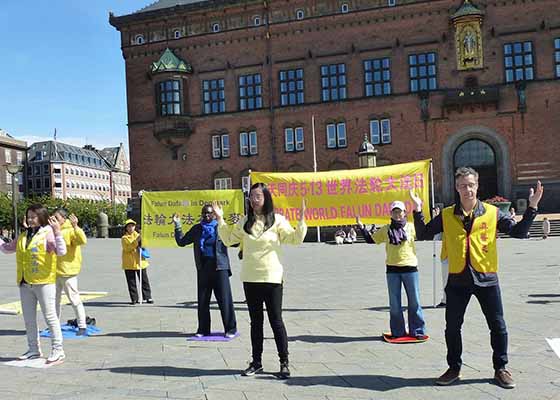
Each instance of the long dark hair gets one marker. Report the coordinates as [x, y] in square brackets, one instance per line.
[267, 209]
[41, 211]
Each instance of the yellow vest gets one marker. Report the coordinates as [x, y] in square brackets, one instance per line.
[130, 252]
[70, 264]
[34, 264]
[480, 244]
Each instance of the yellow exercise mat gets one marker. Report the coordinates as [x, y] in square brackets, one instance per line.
[15, 307]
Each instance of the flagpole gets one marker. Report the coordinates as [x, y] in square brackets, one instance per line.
[433, 239]
[315, 165]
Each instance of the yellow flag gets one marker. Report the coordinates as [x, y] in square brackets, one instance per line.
[158, 229]
[338, 197]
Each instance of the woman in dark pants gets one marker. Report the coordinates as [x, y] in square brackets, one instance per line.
[261, 234]
[212, 269]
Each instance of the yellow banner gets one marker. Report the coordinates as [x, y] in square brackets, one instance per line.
[158, 209]
[337, 197]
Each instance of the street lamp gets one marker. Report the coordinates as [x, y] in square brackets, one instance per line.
[367, 154]
[14, 169]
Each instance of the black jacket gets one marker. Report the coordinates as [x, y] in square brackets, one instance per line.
[193, 236]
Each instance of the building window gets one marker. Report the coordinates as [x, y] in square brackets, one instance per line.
[250, 92]
[518, 61]
[37, 170]
[139, 39]
[380, 131]
[45, 169]
[220, 146]
[291, 87]
[294, 139]
[344, 8]
[333, 82]
[557, 56]
[8, 155]
[300, 14]
[8, 178]
[38, 156]
[391, 3]
[37, 183]
[30, 183]
[222, 183]
[248, 143]
[213, 96]
[177, 34]
[257, 20]
[336, 135]
[169, 97]
[377, 76]
[422, 71]
[216, 27]
[47, 183]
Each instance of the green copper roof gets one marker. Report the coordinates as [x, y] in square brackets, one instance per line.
[467, 8]
[169, 62]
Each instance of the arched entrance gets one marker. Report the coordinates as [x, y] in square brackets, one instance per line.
[482, 157]
[476, 154]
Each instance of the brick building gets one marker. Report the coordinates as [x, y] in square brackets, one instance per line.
[216, 88]
[12, 151]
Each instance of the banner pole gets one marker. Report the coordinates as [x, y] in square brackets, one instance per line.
[140, 294]
[433, 239]
[315, 166]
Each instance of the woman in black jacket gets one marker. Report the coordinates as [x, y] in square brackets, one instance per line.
[213, 270]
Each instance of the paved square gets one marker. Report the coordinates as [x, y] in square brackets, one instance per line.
[335, 309]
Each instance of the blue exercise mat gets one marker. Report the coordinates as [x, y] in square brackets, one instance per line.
[69, 332]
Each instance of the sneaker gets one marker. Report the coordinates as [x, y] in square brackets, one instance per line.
[57, 357]
[149, 301]
[30, 355]
[252, 369]
[503, 378]
[199, 335]
[284, 370]
[230, 335]
[81, 332]
[448, 377]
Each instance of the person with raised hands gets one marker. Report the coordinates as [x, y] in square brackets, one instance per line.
[470, 230]
[36, 249]
[261, 233]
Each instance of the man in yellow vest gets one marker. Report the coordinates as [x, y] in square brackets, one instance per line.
[469, 231]
[68, 267]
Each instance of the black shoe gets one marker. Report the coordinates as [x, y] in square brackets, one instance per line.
[81, 332]
[134, 302]
[284, 370]
[441, 305]
[252, 369]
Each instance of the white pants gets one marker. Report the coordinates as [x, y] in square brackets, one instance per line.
[70, 286]
[45, 295]
[338, 240]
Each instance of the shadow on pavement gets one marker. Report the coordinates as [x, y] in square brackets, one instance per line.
[148, 335]
[334, 339]
[380, 383]
[11, 332]
[107, 304]
[169, 371]
[545, 295]
[214, 306]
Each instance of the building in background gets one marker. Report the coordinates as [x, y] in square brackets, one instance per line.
[120, 172]
[12, 151]
[215, 88]
[65, 171]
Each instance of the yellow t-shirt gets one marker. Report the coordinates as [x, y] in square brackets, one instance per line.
[403, 255]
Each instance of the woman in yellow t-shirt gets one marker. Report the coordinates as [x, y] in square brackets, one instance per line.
[132, 265]
[261, 233]
[402, 270]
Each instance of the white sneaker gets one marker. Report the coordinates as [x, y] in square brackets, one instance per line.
[57, 357]
[198, 335]
[29, 355]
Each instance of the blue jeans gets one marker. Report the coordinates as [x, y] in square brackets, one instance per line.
[416, 324]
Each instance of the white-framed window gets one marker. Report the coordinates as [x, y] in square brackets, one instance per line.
[222, 183]
[344, 8]
[8, 178]
[391, 3]
[257, 20]
[300, 14]
[380, 131]
[139, 39]
[8, 155]
[248, 143]
[220, 146]
[246, 183]
[177, 33]
[293, 139]
[215, 27]
[336, 135]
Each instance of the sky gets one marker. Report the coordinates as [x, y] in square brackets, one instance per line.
[62, 68]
